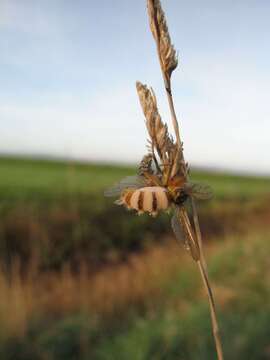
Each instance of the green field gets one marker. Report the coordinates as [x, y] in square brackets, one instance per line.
[64, 202]
[28, 178]
[24, 178]
[81, 278]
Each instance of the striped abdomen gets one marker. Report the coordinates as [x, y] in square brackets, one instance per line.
[147, 199]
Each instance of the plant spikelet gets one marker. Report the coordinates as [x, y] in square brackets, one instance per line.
[170, 154]
[159, 28]
[158, 131]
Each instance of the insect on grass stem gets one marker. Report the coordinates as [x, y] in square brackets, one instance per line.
[168, 62]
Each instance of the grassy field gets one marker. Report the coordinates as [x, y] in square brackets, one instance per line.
[81, 278]
[25, 178]
[152, 307]
[57, 211]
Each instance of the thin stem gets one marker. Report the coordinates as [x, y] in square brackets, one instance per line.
[203, 269]
[173, 113]
[167, 84]
[201, 263]
[215, 327]
[198, 234]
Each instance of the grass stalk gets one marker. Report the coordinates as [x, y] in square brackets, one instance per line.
[157, 28]
[214, 320]
[201, 262]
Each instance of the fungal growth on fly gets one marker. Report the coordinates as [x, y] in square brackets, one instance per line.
[161, 183]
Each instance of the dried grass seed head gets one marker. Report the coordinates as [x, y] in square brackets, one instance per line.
[160, 31]
[158, 131]
[170, 154]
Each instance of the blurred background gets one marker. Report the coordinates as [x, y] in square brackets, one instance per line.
[81, 278]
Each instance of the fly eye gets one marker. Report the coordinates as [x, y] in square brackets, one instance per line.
[178, 193]
[181, 197]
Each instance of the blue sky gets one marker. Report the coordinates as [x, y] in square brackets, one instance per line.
[68, 71]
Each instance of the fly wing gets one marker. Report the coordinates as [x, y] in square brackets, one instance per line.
[129, 182]
[179, 231]
[199, 191]
[184, 233]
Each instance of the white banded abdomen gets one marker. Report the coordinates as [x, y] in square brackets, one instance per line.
[147, 199]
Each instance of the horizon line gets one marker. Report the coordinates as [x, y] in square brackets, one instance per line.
[124, 163]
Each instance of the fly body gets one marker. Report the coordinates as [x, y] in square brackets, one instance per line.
[149, 193]
[149, 199]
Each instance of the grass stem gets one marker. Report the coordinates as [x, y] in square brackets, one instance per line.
[202, 262]
[209, 292]
[168, 62]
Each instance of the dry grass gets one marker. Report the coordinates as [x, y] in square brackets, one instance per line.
[160, 278]
[114, 290]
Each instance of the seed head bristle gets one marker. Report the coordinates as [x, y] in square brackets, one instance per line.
[160, 31]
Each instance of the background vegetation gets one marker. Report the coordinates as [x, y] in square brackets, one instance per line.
[84, 279]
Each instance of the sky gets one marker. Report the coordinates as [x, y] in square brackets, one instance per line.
[68, 71]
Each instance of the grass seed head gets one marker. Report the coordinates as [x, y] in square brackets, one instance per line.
[171, 156]
[157, 130]
[159, 28]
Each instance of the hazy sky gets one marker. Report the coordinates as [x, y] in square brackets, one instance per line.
[68, 71]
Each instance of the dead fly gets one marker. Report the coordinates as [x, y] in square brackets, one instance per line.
[150, 192]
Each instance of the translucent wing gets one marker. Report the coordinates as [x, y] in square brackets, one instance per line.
[179, 231]
[199, 191]
[129, 182]
[184, 233]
